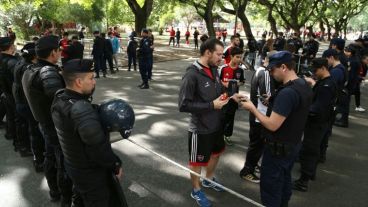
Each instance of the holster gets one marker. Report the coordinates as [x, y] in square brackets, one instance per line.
[279, 149]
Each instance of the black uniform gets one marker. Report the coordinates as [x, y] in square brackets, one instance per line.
[98, 55]
[22, 107]
[132, 53]
[40, 90]
[279, 44]
[88, 157]
[108, 55]
[310, 49]
[75, 50]
[320, 115]
[296, 43]
[144, 56]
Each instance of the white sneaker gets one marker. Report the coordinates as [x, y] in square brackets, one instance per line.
[360, 109]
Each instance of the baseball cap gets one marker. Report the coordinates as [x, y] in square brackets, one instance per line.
[279, 58]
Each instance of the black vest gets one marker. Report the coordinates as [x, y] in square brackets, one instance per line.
[292, 129]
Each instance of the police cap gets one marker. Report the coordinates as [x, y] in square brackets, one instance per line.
[278, 58]
[79, 66]
[29, 48]
[5, 41]
[47, 42]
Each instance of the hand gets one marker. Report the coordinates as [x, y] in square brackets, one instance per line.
[265, 99]
[120, 174]
[237, 97]
[218, 103]
[310, 81]
[247, 104]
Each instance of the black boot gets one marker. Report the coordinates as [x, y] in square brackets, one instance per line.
[301, 184]
[145, 86]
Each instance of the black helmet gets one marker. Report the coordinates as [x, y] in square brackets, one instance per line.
[117, 116]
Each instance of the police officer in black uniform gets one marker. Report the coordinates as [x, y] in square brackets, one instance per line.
[320, 114]
[16, 126]
[89, 159]
[22, 107]
[280, 42]
[310, 48]
[296, 43]
[144, 56]
[40, 83]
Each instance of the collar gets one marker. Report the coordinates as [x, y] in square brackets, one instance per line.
[75, 95]
[46, 63]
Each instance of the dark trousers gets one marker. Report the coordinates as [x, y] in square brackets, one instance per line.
[94, 186]
[256, 146]
[343, 106]
[99, 62]
[357, 95]
[229, 110]
[309, 155]
[178, 41]
[196, 43]
[108, 59]
[132, 58]
[150, 67]
[173, 41]
[275, 183]
[56, 176]
[36, 139]
[10, 130]
[144, 68]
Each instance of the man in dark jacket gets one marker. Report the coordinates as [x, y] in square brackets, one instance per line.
[107, 53]
[98, 54]
[310, 48]
[40, 83]
[88, 157]
[132, 52]
[280, 42]
[76, 49]
[144, 56]
[200, 95]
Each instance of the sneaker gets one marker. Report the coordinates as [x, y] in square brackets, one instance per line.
[250, 177]
[201, 198]
[257, 169]
[300, 185]
[208, 184]
[360, 109]
[228, 141]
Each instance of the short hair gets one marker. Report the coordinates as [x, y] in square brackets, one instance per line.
[319, 63]
[109, 33]
[290, 65]
[69, 78]
[65, 34]
[232, 38]
[210, 45]
[236, 51]
[45, 53]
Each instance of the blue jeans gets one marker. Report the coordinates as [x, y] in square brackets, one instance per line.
[276, 177]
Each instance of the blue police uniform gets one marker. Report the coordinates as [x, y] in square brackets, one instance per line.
[144, 56]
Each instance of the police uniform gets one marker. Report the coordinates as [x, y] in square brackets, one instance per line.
[88, 157]
[291, 101]
[319, 118]
[22, 107]
[144, 57]
[40, 83]
[16, 126]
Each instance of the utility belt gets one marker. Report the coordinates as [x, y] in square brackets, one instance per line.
[280, 149]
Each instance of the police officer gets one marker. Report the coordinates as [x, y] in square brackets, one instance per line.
[144, 56]
[132, 52]
[40, 83]
[89, 159]
[98, 54]
[310, 48]
[280, 42]
[296, 42]
[16, 128]
[320, 115]
[285, 124]
[22, 107]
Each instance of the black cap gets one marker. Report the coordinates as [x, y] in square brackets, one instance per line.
[47, 42]
[340, 43]
[279, 58]
[29, 48]
[145, 31]
[5, 41]
[79, 66]
[329, 53]
[319, 63]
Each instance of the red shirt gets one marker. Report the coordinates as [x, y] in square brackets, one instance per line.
[64, 44]
[208, 72]
[172, 33]
[227, 55]
[187, 33]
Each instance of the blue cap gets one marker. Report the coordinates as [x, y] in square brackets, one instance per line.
[79, 66]
[329, 53]
[279, 58]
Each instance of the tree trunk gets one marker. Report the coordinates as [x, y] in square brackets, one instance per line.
[141, 14]
[209, 24]
[322, 28]
[140, 22]
[272, 22]
[246, 25]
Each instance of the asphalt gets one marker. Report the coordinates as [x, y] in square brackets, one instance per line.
[152, 181]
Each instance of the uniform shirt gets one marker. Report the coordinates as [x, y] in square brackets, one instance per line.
[338, 75]
[227, 73]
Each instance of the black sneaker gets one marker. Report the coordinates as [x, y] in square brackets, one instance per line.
[300, 185]
[251, 177]
[144, 87]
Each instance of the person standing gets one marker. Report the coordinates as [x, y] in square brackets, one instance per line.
[231, 72]
[11, 34]
[81, 35]
[200, 95]
[279, 43]
[76, 49]
[187, 35]
[172, 36]
[177, 36]
[89, 159]
[310, 48]
[40, 83]
[321, 113]
[144, 57]
[115, 48]
[64, 44]
[108, 51]
[224, 35]
[227, 52]
[152, 39]
[195, 36]
[261, 89]
[98, 54]
[362, 74]
[285, 125]
[132, 52]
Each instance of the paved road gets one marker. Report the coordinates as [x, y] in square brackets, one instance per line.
[151, 181]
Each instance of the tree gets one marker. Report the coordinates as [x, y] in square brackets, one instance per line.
[270, 5]
[141, 14]
[204, 9]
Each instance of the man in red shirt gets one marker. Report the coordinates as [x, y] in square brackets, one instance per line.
[228, 72]
[172, 36]
[227, 52]
[64, 44]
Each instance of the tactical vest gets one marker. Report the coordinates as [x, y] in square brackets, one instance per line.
[292, 129]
